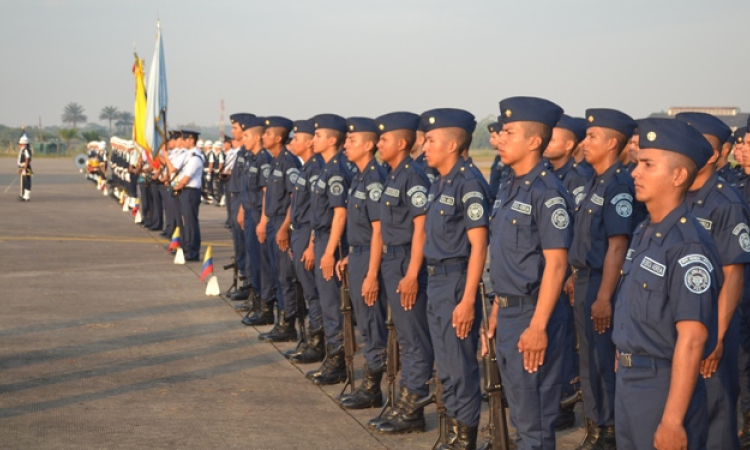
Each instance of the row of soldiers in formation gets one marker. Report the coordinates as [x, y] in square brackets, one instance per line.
[629, 238]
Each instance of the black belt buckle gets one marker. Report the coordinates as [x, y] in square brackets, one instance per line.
[502, 301]
[626, 359]
[431, 271]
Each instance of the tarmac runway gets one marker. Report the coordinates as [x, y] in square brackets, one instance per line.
[105, 343]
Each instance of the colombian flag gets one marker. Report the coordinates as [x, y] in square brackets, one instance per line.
[175, 240]
[208, 264]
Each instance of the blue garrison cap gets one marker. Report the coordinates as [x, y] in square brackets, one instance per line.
[228, 139]
[361, 125]
[706, 124]
[173, 134]
[399, 121]
[676, 136]
[304, 126]
[575, 125]
[239, 117]
[278, 121]
[739, 135]
[252, 121]
[494, 127]
[448, 118]
[530, 109]
[330, 122]
[612, 119]
[190, 133]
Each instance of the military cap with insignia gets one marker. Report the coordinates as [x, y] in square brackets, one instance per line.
[739, 135]
[612, 119]
[494, 127]
[399, 121]
[228, 139]
[706, 124]
[330, 122]
[675, 136]
[448, 118]
[278, 121]
[304, 126]
[575, 125]
[190, 134]
[252, 121]
[361, 125]
[530, 109]
[236, 117]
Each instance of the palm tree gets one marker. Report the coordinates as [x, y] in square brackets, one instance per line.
[89, 136]
[73, 114]
[66, 134]
[124, 122]
[109, 113]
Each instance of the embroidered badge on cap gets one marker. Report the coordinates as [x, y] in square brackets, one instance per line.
[651, 136]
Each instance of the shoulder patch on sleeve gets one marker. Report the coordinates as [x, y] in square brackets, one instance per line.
[334, 179]
[417, 188]
[472, 194]
[622, 196]
[697, 280]
[740, 228]
[554, 201]
[696, 258]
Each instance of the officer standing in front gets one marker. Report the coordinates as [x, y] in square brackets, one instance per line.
[24, 168]
[530, 231]
[665, 321]
[725, 216]
[604, 222]
[455, 252]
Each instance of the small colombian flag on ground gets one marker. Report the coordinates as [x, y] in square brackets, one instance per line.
[208, 264]
[175, 240]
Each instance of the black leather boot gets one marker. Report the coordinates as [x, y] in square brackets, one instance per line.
[264, 316]
[368, 394]
[409, 419]
[301, 346]
[390, 415]
[451, 433]
[466, 437]
[591, 437]
[606, 439]
[242, 293]
[313, 351]
[745, 433]
[566, 419]
[283, 331]
[333, 370]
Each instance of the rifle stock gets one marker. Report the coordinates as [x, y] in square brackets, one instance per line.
[301, 307]
[349, 339]
[392, 363]
[235, 275]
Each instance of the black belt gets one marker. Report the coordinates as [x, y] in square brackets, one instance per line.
[396, 249]
[446, 269]
[359, 249]
[512, 301]
[643, 362]
[584, 273]
[189, 188]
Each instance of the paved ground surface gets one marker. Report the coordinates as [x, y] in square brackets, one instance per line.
[104, 343]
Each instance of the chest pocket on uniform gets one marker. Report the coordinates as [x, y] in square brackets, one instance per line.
[520, 235]
[392, 209]
[651, 298]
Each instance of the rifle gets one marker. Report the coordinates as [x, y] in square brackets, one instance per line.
[301, 307]
[442, 414]
[350, 345]
[392, 363]
[235, 276]
[498, 427]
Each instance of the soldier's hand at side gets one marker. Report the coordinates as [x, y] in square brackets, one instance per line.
[326, 266]
[463, 318]
[408, 287]
[533, 345]
[370, 288]
[711, 363]
[282, 239]
[569, 289]
[341, 267]
[241, 220]
[260, 231]
[601, 314]
[308, 258]
[670, 437]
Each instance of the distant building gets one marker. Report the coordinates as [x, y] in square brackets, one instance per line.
[731, 115]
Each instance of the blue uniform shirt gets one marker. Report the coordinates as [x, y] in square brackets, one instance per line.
[429, 171]
[301, 208]
[236, 179]
[724, 215]
[742, 184]
[672, 272]
[574, 178]
[257, 168]
[404, 198]
[281, 182]
[498, 173]
[727, 173]
[330, 192]
[456, 203]
[364, 203]
[531, 214]
[607, 209]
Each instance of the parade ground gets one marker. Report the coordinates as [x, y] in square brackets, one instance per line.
[106, 344]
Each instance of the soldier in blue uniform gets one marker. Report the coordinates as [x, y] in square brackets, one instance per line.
[257, 168]
[455, 252]
[604, 222]
[498, 171]
[328, 204]
[279, 186]
[303, 251]
[363, 262]
[723, 168]
[725, 215]
[417, 154]
[402, 223]
[665, 322]
[531, 231]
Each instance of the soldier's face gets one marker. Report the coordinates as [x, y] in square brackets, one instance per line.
[357, 147]
[738, 153]
[418, 143]
[438, 147]
[270, 138]
[595, 145]
[633, 148]
[388, 146]
[512, 144]
[299, 143]
[559, 144]
[493, 140]
[653, 175]
[236, 131]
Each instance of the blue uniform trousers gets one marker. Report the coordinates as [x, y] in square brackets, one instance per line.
[299, 241]
[177, 220]
[641, 395]
[190, 201]
[744, 350]
[722, 390]
[168, 204]
[238, 235]
[415, 344]
[533, 398]
[258, 258]
[281, 269]
[596, 355]
[145, 195]
[370, 319]
[157, 212]
[328, 290]
[456, 359]
[570, 355]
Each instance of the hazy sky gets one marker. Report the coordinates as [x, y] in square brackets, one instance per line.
[302, 57]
